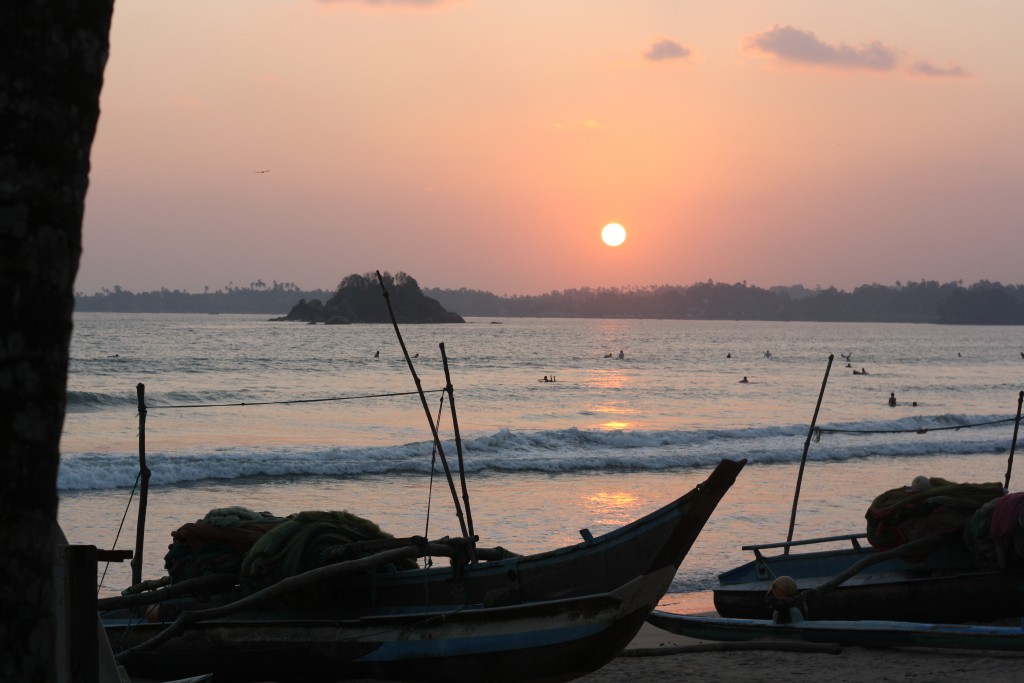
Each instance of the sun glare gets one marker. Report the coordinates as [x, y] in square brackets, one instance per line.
[613, 234]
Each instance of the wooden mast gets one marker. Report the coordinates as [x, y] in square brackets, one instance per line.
[426, 410]
[803, 460]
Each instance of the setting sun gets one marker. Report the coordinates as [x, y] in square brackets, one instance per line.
[613, 234]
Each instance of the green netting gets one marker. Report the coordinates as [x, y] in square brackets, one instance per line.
[296, 545]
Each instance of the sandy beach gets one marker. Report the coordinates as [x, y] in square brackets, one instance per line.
[656, 655]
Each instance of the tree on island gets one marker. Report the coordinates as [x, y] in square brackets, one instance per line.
[358, 299]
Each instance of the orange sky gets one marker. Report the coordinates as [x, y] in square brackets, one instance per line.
[483, 144]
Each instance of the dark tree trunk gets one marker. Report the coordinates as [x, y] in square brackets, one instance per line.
[52, 55]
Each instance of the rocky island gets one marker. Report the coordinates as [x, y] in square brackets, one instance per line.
[358, 299]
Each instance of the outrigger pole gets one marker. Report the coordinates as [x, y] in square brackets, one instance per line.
[803, 460]
[144, 473]
[426, 410]
[1013, 444]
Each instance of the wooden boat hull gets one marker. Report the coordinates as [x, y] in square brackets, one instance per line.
[559, 640]
[868, 633]
[551, 616]
[946, 588]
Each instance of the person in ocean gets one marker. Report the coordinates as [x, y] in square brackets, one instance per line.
[892, 398]
[728, 355]
[744, 380]
[621, 354]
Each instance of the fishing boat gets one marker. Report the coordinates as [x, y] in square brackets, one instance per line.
[865, 633]
[947, 586]
[912, 564]
[551, 616]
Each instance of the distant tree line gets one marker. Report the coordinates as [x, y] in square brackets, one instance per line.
[920, 302]
[258, 297]
[926, 301]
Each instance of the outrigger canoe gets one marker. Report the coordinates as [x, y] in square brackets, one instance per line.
[867, 633]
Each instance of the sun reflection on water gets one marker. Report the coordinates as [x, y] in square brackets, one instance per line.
[608, 379]
[612, 507]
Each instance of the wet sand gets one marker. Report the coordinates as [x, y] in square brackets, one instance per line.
[656, 655]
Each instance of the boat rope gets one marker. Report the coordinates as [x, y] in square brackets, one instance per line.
[291, 401]
[428, 561]
[818, 431]
[120, 526]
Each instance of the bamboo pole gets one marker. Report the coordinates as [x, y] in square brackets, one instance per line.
[1013, 444]
[426, 409]
[140, 528]
[458, 440]
[803, 460]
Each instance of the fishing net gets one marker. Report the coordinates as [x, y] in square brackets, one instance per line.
[216, 543]
[996, 533]
[260, 549]
[297, 545]
[931, 506]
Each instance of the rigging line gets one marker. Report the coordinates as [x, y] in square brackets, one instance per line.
[297, 400]
[119, 527]
[914, 430]
[433, 467]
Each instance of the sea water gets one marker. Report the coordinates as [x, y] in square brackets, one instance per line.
[286, 417]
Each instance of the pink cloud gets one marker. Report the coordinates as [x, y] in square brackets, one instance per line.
[666, 49]
[932, 71]
[804, 47]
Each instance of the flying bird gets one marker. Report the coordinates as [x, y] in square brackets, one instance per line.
[263, 171]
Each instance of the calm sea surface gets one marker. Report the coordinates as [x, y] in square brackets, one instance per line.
[610, 440]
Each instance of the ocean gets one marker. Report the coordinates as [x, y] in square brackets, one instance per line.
[286, 417]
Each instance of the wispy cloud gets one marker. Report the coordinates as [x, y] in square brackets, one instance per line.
[804, 47]
[585, 124]
[793, 45]
[932, 71]
[666, 48]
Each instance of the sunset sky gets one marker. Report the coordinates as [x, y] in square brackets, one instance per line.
[485, 143]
